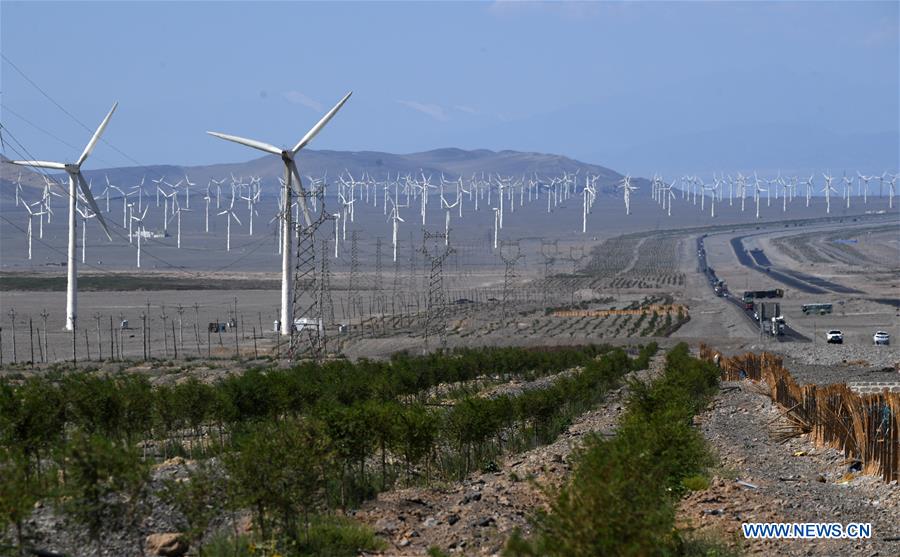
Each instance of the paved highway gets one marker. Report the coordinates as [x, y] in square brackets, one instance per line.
[790, 334]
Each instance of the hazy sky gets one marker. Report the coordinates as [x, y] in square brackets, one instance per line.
[611, 83]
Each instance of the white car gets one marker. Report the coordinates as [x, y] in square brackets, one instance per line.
[834, 336]
[881, 337]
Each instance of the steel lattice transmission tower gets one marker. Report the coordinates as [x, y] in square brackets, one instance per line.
[549, 251]
[436, 247]
[307, 322]
[510, 254]
[354, 304]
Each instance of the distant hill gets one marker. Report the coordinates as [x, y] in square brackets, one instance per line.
[452, 162]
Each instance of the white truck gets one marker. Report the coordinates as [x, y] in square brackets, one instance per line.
[770, 318]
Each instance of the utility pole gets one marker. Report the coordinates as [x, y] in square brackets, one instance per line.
[12, 318]
[99, 340]
[44, 315]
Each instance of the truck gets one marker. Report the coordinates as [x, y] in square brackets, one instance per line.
[758, 294]
[777, 325]
[769, 316]
[720, 288]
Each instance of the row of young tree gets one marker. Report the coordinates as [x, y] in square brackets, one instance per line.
[312, 438]
[622, 495]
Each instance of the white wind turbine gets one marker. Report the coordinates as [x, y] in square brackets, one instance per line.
[496, 225]
[187, 191]
[85, 215]
[828, 189]
[159, 183]
[864, 183]
[757, 190]
[589, 194]
[166, 216]
[74, 172]
[627, 188]
[809, 185]
[670, 195]
[141, 228]
[218, 184]
[337, 238]
[31, 215]
[713, 189]
[448, 206]
[848, 188]
[178, 211]
[229, 212]
[290, 172]
[395, 225]
[891, 185]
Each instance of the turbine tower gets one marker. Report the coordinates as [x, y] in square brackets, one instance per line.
[290, 172]
[75, 177]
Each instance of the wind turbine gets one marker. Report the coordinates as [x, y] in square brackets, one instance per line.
[828, 189]
[178, 211]
[187, 192]
[395, 224]
[74, 172]
[757, 189]
[31, 215]
[864, 182]
[891, 185]
[496, 225]
[627, 189]
[670, 195]
[230, 215]
[290, 172]
[809, 185]
[140, 231]
[848, 187]
[85, 215]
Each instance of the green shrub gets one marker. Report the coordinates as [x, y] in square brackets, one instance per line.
[621, 497]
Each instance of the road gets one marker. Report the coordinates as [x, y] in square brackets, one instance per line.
[757, 260]
[790, 334]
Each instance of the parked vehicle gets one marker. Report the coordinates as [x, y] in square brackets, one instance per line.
[881, 338]
[834, 336]
[308, 323]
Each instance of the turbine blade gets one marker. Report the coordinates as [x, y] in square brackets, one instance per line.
[248, 142]
[90, 199]
[95, 139]
[41, 164]
[321, 124]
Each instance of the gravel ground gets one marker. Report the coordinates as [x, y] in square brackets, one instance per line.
[795, 482]
[824, 364]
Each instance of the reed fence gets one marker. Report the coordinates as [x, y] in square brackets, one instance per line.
[866, 427]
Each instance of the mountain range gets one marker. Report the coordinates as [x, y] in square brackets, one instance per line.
[451, 162]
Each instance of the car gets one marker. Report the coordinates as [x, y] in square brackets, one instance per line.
[834, 336]
[881, 337]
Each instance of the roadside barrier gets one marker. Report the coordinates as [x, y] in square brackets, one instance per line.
[866, 427]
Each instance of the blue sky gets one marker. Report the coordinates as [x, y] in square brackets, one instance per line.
[637, 87]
